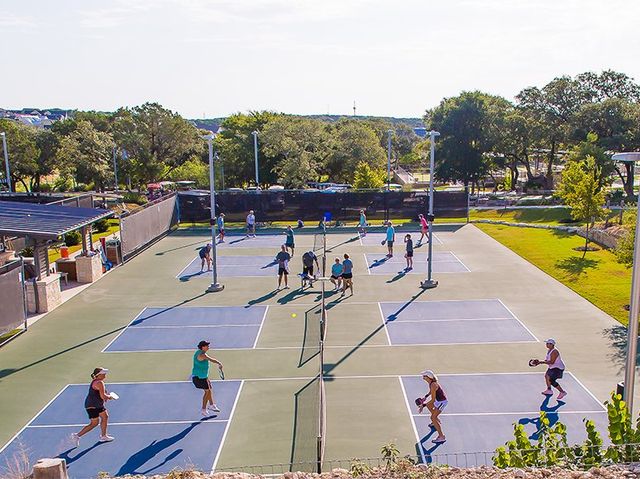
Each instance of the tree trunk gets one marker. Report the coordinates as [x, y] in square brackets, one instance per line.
[586, 241]
[552, 155]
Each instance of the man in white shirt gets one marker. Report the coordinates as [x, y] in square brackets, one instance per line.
[251, 224]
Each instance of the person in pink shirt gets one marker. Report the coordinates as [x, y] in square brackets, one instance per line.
[424, 228]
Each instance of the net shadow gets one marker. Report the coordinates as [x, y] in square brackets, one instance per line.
[304, 448]
[311, 337]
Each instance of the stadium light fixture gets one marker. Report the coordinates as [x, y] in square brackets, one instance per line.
[214, 287]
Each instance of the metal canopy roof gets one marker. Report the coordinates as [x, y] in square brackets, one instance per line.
[45, 221]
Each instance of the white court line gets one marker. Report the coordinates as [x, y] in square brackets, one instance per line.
[586, 389]
[133, 423]
[446, 301]
[518, 319]
[384, 323]
[366, 261]
[413, 422]
[449, 320]
[516, 413]
[33, 419]
[264, 316]
[226, 429]
[187, 266]
[360, 238]
[196, 326]
[123, 330]
[456, 257]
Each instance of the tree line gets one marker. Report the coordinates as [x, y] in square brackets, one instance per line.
[481, 135]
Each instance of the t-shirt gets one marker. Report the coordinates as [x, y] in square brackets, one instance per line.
[347, 266]
[409, 245]
[220, 223]
[204, 251]
[363, 220]
[251, 219]
[289, 236]
[283, 259]
[391, 233]
[308, 258]
[336, 269]
[423, 222]
[200, 368]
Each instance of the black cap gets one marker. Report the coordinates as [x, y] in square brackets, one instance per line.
[201, 344]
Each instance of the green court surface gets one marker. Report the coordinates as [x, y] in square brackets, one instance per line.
[366, 405]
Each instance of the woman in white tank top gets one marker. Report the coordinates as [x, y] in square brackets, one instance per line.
[555, 370]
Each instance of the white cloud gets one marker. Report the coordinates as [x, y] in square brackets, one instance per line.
[11, 20]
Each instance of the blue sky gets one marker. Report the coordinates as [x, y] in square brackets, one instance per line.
[216, 57]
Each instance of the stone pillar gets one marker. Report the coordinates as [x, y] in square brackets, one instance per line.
[48, 294]
[50, 469]
[88, 268]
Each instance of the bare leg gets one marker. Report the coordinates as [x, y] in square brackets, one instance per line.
[92, 424]
[205, 399]
[104, 422]
[435, 420]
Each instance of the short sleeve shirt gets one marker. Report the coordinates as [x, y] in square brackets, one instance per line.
[308, 258]
[347, 264]
[336, 269]
[282, 258]
[391, 232]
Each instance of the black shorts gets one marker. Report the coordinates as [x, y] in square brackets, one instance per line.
[333, 276]
[390, 244]
[409, 254]
[94, 412]
[290, 245]
[203, 256]
[307, 270]
[282, 271]
[554, 374]
[347, 275]
[201, 383]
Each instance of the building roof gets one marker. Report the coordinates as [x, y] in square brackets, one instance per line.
[45, 221]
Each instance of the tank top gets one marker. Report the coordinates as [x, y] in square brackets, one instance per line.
[559, 364]
[440, 396]
[93, 399]
[200, 368]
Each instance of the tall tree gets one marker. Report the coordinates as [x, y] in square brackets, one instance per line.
[23, 152]
[47, 161]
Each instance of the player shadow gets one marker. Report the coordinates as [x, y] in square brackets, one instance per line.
[350, 240]
[551, 413]
[294, 294]
[421, 447]
[141, 457]
[261, 299]
[66, 455]
[8, 372]
[186, 277]
[168, 308]
[379, 262]
[239, 240]
[617, 336]
[399, 275]
[160, 253]
[269, 265]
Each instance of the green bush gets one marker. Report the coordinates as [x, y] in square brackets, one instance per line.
[72, 238]
[133, 197]
[101, 226]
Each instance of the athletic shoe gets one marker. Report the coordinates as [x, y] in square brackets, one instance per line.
[214, 408]
[547, 392]
[562, 395]
[439, 440]
[286, 287]
[106, 438]
[75, 439]
[205, 412]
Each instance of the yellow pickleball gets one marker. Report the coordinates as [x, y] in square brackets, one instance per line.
[293, 315]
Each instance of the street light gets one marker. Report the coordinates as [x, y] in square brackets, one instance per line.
[214, 287]
[430, 283]
[6, 159]
[389, 133]
[255, 153]
[632, 329]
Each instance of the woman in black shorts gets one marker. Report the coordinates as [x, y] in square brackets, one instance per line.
[94, 404]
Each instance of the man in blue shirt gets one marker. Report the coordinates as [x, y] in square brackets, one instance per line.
[391, 237]
[221, 227]
[347, 274]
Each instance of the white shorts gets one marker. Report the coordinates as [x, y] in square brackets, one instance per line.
[440, 405]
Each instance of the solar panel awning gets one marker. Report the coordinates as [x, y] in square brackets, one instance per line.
[45, 221]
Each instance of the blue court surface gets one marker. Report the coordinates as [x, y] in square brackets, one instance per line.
[482, 409]
[233, 266]
[443, 262]
[157, 427]
[375, 239]
[182, 328]
[452, 322]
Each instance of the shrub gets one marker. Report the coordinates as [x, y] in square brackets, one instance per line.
[133, 197]
[72, 238]
[101, 226]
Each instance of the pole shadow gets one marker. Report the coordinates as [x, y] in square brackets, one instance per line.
[160, 253]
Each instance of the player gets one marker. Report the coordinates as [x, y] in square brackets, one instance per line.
[424, 228]
[200, 377]
[220, 222]
[391, 236]
[290, 241]
[205, 256]
[94, 404]
[336, 274]
[362, 224]
[409, 252]
[555, 369]
[435, 405]
[307, 267]
[251, 224]
[347, 275]
[283, 257]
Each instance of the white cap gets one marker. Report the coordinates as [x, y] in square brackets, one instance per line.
[428, 373]
[103, 371]
[551, 341]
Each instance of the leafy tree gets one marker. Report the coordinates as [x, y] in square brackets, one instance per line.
[192, 170]
[581, 191]
[468, 126]
[23, 152]
[367, 177]
[47, 161]
[604, 163]
[87, 154]
[301, 147]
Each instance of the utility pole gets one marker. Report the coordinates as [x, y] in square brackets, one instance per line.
[430, 283]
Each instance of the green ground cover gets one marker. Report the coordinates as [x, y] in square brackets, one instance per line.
[550, 216]
[598, 277]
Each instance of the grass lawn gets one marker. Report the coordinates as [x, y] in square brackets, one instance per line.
[598, 277]
[114, 226]
[549, 216]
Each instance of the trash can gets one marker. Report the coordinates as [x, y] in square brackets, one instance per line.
[113, 251]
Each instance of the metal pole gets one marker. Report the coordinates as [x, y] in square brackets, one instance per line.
[255, 153]
[632, 329]
[430, 282]
[6, 159]
[24, 294]
[115, 167]
[389, 133]
[214, 286]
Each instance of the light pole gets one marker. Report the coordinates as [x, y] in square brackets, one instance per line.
[214, 287]
[255, 154]
[634, 306]
[389, 133]
[115, 166]
[430, 282]
[6, 159]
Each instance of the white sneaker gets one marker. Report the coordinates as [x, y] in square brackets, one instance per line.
[561, 395]
[213, 408]
[75, 439]
[106, 438]
[547, 392]
[205, 412]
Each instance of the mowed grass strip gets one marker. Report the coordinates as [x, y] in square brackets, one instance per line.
[598, 277]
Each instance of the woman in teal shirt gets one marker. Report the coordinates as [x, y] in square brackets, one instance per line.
[290, 241]
[200, 376]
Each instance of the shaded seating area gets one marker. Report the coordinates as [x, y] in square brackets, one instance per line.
[42, 225]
